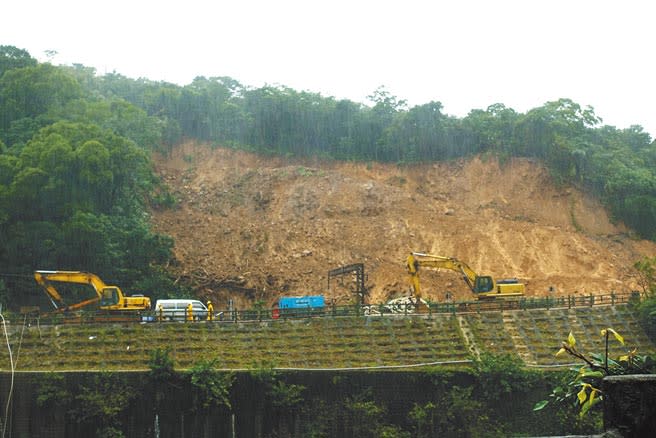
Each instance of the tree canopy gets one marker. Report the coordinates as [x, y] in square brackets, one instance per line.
[75, 177]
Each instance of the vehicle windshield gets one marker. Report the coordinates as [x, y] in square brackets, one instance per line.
[109, 296]
[483, 284]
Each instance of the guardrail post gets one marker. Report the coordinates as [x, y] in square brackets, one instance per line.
[612, 297]
[591, 300]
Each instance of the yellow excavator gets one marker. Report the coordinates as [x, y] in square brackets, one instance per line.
[483, 286]
[108, 298]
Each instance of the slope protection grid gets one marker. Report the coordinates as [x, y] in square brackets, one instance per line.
[326, 343]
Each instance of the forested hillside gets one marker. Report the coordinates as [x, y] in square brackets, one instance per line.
[77, 181]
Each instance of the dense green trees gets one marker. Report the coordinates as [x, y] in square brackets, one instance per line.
[74, 197]
[12, 58]
[74, 165]
[75, 178]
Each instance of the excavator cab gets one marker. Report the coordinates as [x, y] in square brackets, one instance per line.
[483, 284]
[109, 296]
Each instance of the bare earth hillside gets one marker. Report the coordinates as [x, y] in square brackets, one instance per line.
[249, 227]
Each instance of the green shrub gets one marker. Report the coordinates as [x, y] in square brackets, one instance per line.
[212, 386]
[583, 387]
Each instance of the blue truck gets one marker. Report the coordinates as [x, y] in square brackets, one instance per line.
[301, 306]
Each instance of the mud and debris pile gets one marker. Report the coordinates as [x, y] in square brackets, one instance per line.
[251, 228]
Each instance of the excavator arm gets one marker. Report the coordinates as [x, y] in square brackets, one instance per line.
[483, 286]
[440, 262]
[106, 295]
[418, 259]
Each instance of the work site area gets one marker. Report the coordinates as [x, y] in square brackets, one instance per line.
[249, 228]
[475, 254]
[291, 239]
[311, 279]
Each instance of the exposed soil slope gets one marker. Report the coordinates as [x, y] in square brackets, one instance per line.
[250, 227]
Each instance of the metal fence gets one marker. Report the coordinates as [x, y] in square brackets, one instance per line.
[333, 310]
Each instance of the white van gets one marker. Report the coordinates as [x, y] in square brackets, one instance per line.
[176, 310]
